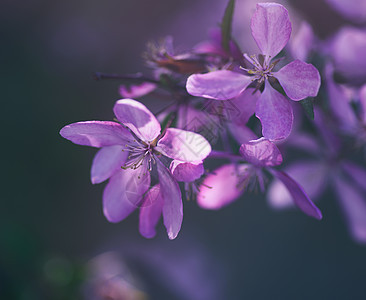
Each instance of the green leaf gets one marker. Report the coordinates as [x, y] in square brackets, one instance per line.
[227, 24]
[308, 105]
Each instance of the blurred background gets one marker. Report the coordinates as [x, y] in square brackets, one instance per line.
[54, 240]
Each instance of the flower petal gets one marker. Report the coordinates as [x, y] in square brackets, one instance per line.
[96, 133]
[124, 193]
[348, 50]
[106, 162]
[312, 175]
[185, 171]
[183, 145]
[173, 206]
[271, 28]
[245, 105]
[219, 85]
[340, 105]
[221, 187]
[275, 113]
[261, 152]
[299, 196]
[150, 212]
[354, 208]
[138, 118]
[299, 80]
[303, 42]
[241, 133]
[136, 90]
[203, 121]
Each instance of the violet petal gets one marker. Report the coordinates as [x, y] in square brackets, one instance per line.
[220, 188]
[275, 113]
[298, 194]
[299, 80]
[173, 206]
[138, 118]
[124, 193]
[245, 104]
[261, 152]
[185, 171]
[106, 162]
[271, 28]
[96, 133]
[150, 212]
[312, 175]
[183, 145]
[219, 85]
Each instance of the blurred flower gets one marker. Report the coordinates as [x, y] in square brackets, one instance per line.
[109, 278]
[136, 145]
[271, 29]
[348, 52]
[353, 10]
[228, 182]
[329, 167]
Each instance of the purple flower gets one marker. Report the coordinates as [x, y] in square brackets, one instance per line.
[348, 51]
[271, 29]
[227, 183]
[136, 144]
[327, 169]
[315, 176]
[353, 10]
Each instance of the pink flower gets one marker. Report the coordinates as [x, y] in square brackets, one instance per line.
[227, 183]
[136, 144]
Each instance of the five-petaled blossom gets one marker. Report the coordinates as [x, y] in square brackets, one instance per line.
[228, 182]
[271, 29]
[129, 150]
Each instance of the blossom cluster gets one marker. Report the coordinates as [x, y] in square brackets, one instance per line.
[300, 96]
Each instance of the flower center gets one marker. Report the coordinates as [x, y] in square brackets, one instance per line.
[262, 69]
[140, 153]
